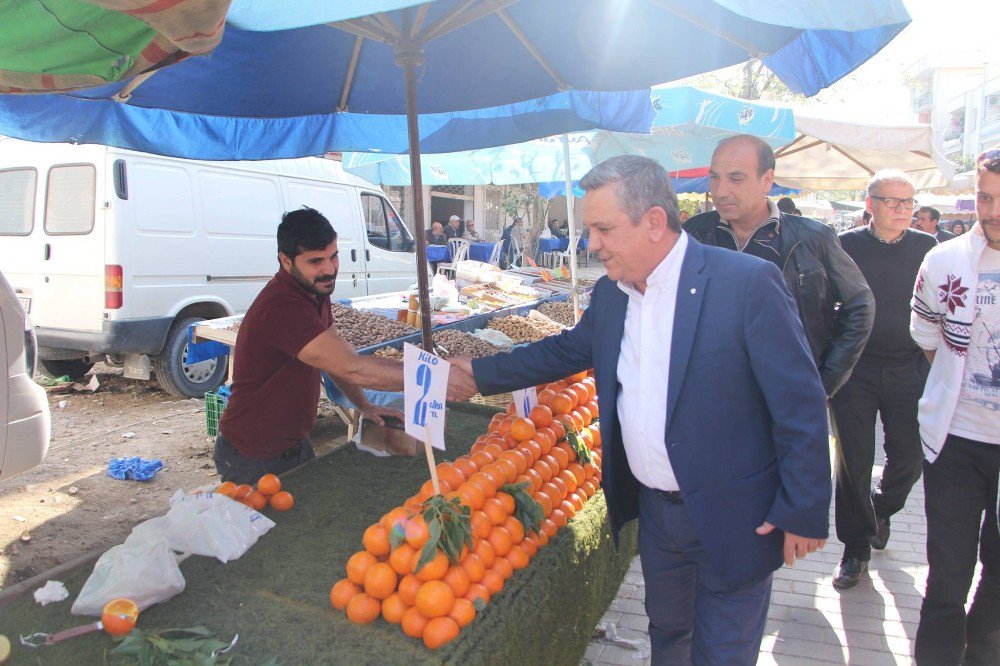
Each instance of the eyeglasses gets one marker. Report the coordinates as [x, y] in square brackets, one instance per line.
[893, 202]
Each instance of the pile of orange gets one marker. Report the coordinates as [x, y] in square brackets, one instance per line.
[435, 602]
[268, 491]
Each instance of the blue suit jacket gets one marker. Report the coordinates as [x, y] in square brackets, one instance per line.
[746, 428]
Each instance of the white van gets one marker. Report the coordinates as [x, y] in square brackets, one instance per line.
[115, 253]
[25, 423]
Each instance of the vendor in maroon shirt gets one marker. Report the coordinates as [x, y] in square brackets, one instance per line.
[285, 340]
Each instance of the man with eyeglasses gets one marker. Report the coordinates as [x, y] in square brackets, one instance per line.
[956, 321]
[886, 381]
[834, 303]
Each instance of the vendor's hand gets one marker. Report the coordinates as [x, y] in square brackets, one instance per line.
[375, 414]
[461, 383]
[796, 547]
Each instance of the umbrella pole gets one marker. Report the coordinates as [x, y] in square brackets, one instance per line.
[570, 200]
[409, 63]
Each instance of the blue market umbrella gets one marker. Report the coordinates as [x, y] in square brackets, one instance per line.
[280, 61]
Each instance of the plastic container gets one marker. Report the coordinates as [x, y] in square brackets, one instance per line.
[214, 406]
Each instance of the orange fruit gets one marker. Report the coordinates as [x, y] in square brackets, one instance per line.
[486, 481]
[227, 488]
[433, 570]
[457, 579]
[478, 591]
[481, 459]
[255, 500]
[543, 470]
[588, 488]
[549, 526]
[540, 415]
[577, 499]
[507, 500]
[282, 501]
[376, 540]
[567, 507]
[519, 458]
[119, 616]
[484, 549]
[561, 403]
[363, 608]
[427, 490]
[401, 557]
[585, 414]
[559, 430]
[481, 524]
[559, 517]
[341, 593]
[544, 501]
[503, 567]
[517, 557]
[393, 609]
[516, 529]
[577, 470]
[463, 612]
[242, 491]
[561, 456]
[268, 484]
[450, 475]
[465, 465]
[474, 493]
[545, 396]
[494, 510]
[396, 518]
[409, 585]
[358, 566]
[435, 599]
[569, 479]
[380, 580]
[508, 469]
[413, 623]
[416, 532]
[522, 429]
[501, 540]
[440, 631]
[492, 581]
[474, 567]
[529, 546]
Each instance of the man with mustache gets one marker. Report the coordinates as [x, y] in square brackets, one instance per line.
[834, 302]
[285, 340]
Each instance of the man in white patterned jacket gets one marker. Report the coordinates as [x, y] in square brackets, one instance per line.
[956, 321]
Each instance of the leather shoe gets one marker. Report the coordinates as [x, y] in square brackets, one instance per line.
[851, 570]
[881, 538]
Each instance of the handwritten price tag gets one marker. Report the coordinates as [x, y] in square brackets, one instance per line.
[525, 400]
[425, 387]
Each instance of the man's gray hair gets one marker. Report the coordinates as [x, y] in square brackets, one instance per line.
[887, 176]
[639, 184]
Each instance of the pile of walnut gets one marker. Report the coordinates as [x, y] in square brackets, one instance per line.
[522, 329]
[364, 329]
[560, 311]
[450, 343]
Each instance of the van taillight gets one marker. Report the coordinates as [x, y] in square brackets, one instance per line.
[112, 287]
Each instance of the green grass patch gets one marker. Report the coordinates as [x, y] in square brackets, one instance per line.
[276, 597]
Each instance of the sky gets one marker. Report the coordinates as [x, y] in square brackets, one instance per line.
[955, 30]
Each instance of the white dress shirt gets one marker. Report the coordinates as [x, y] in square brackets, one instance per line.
[643, 371]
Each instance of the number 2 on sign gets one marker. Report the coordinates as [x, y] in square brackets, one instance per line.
[423, 381]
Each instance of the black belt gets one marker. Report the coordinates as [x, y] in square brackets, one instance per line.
[672, 496]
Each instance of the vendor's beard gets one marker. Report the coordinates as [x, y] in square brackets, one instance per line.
[317, 286]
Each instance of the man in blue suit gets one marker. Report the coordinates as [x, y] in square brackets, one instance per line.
[712, 413]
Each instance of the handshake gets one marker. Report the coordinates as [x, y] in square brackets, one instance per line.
[461, 383]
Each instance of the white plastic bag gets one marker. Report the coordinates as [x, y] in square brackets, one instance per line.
[142, 569]
[209, 524]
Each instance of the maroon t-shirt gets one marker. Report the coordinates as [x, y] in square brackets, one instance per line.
[274, 395]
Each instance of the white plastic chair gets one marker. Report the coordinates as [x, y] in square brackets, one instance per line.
[495, 254]
[563, 257]
[459, 251]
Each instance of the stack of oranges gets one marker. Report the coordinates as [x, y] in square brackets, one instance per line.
[435, 602]
[268, 491]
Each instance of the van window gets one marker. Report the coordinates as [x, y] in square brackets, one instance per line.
[17, 201]
[164, 204]
[70, 199]
[238, 205]
[384, 228]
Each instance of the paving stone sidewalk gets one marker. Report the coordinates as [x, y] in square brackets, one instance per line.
[809, 621]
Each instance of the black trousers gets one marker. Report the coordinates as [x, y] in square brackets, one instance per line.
[892, 392]
[961, 502]
[239, 469]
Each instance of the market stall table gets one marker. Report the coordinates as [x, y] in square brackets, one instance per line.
[481, 251]
[276, 596]
[436, 253]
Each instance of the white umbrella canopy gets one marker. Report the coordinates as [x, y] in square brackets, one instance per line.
[832, 154]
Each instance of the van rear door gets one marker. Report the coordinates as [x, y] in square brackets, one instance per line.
[68, 292]
[390, 251]
[337, 204]
[20, 240]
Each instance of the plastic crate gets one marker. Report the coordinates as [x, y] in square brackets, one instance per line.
[214, 406]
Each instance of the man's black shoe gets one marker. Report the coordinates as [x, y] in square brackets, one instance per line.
[881, 538]
[851, 570]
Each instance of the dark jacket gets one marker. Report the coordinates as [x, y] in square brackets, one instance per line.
[835, 304]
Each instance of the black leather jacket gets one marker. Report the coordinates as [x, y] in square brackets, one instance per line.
[835, 304]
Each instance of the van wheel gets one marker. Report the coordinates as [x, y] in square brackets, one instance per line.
[75, 368]
[176, 375]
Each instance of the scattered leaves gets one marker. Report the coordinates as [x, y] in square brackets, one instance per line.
[526, 509]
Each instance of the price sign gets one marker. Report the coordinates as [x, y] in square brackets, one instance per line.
[425, 386]
[525, 400]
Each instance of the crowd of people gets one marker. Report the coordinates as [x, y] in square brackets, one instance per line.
[725, 348]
